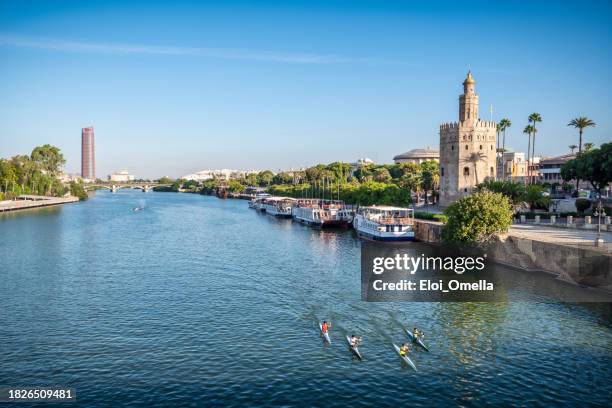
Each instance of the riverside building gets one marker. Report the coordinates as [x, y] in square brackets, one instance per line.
[88, 154]
[467, 148]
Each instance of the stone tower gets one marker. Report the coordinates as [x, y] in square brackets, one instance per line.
[467, 148]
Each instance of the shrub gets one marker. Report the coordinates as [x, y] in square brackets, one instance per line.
[430, 216]
[77, 190]
[477, 218]
[582, 204]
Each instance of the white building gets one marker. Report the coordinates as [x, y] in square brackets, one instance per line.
[418, 156]
[122, 176]
[224, 174]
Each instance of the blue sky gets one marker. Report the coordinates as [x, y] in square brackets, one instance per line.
[173, 87]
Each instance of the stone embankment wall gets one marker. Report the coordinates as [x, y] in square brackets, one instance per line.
[14, 205]
[574, 264]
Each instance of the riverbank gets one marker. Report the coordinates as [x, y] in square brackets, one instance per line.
[31, 201]
[570, 257]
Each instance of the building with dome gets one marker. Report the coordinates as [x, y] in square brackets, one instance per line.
[467, 148]
[417, 156]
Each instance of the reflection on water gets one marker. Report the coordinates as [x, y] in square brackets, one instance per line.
[196, 300]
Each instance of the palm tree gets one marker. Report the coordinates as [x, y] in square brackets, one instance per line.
[581, 123]
[504, 124]
[533, 119]
[588, 147]
[573, 147]
[474, 158]
[528, 131]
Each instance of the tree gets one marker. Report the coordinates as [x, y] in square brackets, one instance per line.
[514, 191]
[48, 158]
[382, 175]
[582, 204]
[77, 190]
[528, 130]
[264, 178]
[474, 158]
[573, 147]
[534, 196]
[588, 147]
[504, 124]
[251, 179]
[430, 176]
[581, 123]
[477, 218]
[165, 180]
[534, 118]
[594, 166]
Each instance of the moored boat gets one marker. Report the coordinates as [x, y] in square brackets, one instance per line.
[385, 223]
[322, 213]
[257, 202]
[278, 206]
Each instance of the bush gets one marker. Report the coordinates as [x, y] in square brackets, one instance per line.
[430, 216]
[77, 190]
[477, 218]
[582, 204]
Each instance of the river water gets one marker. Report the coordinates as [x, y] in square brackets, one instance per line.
[199, 301]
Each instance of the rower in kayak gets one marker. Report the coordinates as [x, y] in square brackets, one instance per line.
[325, 327]
[418, 334]
[404, 350]
[354, 341]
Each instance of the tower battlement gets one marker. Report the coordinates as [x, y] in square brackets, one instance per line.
[449, 126]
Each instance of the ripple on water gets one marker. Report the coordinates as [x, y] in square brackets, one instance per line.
[198, 301]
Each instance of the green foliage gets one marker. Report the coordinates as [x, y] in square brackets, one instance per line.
[235, 186]
[165, 180]
[264, 178]
[77, 190]
[368, 193]
[36, 174]
[594, 166]
[477, 218]
[534, 196]
[430, 216]
[582, 204]
[514, 191]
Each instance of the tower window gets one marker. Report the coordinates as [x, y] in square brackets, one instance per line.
[466, 171]
[442, 171]
[452, 147]
[492, 171]
[491, 147]
[480, 147]
[466, 147]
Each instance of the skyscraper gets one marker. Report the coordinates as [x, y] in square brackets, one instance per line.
[88, 154]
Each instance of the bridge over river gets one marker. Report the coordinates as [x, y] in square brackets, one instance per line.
[145, 187]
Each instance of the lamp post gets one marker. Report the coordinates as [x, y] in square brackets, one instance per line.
[599, 212]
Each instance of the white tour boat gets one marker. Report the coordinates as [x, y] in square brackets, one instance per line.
[322, 213]
[384, 223]
[278, 206]
[257, 202]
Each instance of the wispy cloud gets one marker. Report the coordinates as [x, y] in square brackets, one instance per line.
[7, 40]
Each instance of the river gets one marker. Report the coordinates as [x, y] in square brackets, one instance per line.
[201, 301]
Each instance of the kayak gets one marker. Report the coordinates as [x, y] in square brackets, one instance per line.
[355, 350]
[325, 335]
[419, 341]
[405, 358]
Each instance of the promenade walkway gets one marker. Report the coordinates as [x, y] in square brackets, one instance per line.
[34, 202]
[563, 236]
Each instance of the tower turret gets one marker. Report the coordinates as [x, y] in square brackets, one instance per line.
[468, 102]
